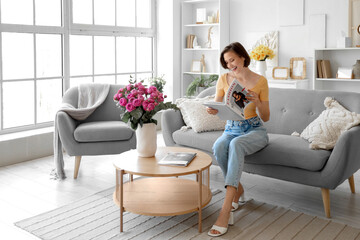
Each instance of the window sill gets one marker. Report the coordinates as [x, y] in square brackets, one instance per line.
[24, 134]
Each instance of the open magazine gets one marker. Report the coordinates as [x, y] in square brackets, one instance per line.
[234, 104]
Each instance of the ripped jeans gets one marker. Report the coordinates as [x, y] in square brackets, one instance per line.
[239, 139]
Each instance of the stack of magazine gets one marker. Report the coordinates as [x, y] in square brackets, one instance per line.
[177, 158]
[233, 106]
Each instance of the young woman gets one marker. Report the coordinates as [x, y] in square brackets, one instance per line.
[242, 137]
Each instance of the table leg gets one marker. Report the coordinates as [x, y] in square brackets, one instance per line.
[199, 177]
[120, 177]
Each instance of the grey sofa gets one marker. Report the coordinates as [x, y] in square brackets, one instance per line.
[101, 133]
[288, 157]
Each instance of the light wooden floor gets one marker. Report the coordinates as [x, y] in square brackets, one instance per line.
[27, 190]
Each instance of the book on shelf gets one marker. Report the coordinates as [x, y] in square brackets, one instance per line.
[319, 69]
[177, 159]
[190, 40]
[234, 104]
[326, 69]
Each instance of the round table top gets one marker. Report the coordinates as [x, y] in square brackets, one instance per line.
[131, 163]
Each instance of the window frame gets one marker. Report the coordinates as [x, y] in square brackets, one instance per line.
[67, 29]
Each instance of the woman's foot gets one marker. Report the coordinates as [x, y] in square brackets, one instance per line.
[221, 225]
[239, 196]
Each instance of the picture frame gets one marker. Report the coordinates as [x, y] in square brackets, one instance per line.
[354, 22]
[280, 73]
[196, 66]
[200, 15]
[345, 73]
[297, 68]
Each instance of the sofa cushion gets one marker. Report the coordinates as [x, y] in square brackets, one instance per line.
[291, 151]
[325, 130]
[203, 141]
[195, 115]
[103, 131]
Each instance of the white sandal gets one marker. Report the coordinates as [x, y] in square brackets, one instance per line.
[221, 230]
[241, 202]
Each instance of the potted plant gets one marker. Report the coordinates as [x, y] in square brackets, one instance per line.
[139, 104]
[201, 83]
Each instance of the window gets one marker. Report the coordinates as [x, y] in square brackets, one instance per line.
[42, 53]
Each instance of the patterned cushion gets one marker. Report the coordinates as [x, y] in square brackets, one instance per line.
[195, 115]
[324, 131]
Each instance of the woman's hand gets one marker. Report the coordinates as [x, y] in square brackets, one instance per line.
[211, 111]
[253, 97]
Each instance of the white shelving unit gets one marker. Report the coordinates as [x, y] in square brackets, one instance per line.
[289, 83]
[339, 57]
[219, 37]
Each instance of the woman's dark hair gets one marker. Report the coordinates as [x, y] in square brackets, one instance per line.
[239, 50]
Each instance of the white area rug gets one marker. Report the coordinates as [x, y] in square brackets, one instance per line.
[97, 217]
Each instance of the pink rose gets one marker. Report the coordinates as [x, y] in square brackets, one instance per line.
[128, 87]
[134, 92]
[145, 104]
[131, 99]
[150, 107]
[141, 98]
[137, 102]
[123, 102]
[130, 107]
[152, 89]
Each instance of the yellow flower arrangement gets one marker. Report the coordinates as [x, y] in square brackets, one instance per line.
[261, 53]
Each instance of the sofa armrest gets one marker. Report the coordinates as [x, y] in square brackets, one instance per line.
[344, 160]
[66, 128]
[171, 121]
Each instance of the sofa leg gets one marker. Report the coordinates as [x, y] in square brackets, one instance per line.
[77, 166]
[352, 184]
[326, 201]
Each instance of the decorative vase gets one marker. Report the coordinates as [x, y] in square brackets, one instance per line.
[356, 69]
[146, 140]
[261, 67]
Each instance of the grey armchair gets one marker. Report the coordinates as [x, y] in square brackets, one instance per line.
[101, 133]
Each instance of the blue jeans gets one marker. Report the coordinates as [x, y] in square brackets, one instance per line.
[239, 139]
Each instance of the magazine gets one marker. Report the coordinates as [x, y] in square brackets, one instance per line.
[234, 104]
[177, 158]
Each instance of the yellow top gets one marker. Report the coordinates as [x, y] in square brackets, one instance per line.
[260, 88]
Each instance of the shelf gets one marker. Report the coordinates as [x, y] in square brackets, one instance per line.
[338, 79]
[202, 25]
[287, 80]
[200, 1]
[201, 49]
[200, 73]
[334, 49]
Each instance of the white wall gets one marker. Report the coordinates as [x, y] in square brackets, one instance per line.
[294, 41]
[168, 45]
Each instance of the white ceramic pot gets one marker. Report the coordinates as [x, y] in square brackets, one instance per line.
[146, 140]
[261, 67]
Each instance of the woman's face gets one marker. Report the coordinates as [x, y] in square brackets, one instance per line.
[233, 61]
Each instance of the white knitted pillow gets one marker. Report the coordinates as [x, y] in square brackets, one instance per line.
[324, 131]
[195, 115]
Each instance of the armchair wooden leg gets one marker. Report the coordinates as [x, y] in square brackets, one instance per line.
[77, 166]
[326, 201]
[352, 184]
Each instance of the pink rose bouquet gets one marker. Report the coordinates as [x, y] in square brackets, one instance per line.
[140, 103]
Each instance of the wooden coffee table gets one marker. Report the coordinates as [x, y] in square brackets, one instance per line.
[161, 192]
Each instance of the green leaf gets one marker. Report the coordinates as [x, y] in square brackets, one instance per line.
[125, 117]
[137, 113]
